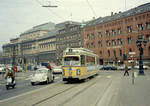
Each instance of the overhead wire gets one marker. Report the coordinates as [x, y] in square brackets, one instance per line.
[91, 8]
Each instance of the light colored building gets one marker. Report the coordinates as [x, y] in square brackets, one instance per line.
[28, 45]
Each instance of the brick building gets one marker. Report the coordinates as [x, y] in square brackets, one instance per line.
[113, 37]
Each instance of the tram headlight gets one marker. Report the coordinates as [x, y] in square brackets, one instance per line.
[78, 71]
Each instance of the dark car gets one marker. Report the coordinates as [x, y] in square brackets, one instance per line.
[108, 68]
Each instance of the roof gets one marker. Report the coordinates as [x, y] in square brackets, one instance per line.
[137, 10]
[63, 24]
[46, 26]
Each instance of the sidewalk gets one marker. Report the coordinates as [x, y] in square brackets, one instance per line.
[137, 94]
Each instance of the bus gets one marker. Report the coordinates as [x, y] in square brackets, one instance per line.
[79, 63]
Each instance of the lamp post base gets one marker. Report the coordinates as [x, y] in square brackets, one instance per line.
[141, 72]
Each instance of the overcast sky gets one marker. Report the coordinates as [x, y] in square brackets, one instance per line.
[17, 16]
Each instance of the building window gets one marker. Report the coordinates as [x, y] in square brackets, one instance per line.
[108, 43]
[92, 36]
[108, 53]
[140, 27]
[113, 42]
[114, 53]
[120, 52]
[130, 50]
[92, 45]
[113, 32]
[100, 34]
[148, 38]
[148, 25]
[129, 40]
[129, 29]
[119, 31]
[119, 41]
[100, 53]
[149, 50]
[100, 44]
[107, 33]
[88, 36]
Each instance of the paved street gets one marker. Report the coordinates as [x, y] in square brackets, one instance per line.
[23, 85]
[109, 88]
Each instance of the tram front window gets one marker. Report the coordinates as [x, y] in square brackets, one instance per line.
[71, 61]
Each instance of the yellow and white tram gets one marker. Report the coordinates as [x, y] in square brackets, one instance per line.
[79, 63]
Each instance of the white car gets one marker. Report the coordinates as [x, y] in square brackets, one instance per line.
[57, 69]
[42, 75]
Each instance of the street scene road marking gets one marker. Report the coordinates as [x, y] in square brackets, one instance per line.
[57, 77]
[98, 76]
[28, 78]
[26, 93]
[109, 76]
[135, 74]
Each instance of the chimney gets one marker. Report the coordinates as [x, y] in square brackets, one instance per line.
[112, 14]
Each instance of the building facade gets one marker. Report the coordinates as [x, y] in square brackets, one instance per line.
[113, 37]
[31, 46]
[69, 35]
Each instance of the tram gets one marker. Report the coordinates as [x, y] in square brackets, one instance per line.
[79, 63]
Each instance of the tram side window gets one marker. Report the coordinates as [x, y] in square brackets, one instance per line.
[82, 60]
[90, 60]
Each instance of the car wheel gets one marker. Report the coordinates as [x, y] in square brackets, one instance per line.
[13, 86]
[32, 83]
[7, 87]
[47, 81]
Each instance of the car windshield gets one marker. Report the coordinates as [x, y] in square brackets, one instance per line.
[41, 71]
[71, 61]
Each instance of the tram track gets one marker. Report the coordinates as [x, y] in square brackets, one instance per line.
[83, 87]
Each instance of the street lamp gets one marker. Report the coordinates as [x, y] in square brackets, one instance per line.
[139, 43]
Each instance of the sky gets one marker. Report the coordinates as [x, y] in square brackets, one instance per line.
[17, 16]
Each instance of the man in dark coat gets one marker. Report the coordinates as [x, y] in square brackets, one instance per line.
[126, 70]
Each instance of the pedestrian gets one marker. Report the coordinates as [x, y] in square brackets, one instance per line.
[126, 70]
[49, 66]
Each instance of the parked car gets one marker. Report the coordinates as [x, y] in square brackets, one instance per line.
[108, 67]
[57, 70]
[121, 67]
[144, 67]
[20, 69]
[42, 75]
[2, 70]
